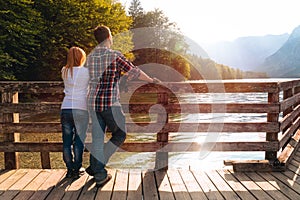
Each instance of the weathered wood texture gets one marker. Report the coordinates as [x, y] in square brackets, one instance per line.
[171, 184]
[281, 123]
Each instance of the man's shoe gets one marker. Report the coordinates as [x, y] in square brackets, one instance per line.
[76, 174]
[89, 171]
[69, 173]
[104, 181]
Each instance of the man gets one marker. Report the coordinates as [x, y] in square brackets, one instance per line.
[106, 67]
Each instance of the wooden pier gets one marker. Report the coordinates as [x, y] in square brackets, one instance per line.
[39, 184]
[274, 177]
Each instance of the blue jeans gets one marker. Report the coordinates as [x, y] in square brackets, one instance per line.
[114, 120]
[74, 123]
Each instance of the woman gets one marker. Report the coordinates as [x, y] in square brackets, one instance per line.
[74, 114]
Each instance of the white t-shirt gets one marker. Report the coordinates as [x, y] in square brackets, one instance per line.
[76, 89]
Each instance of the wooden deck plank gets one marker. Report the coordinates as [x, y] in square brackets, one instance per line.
[75, 188]
[297, 157]
[241, 191]
[135, 186]
[208, 187]
[24, 184]
[105, 192]
[251, 186]
[121, 184]
[295, 163]
[5, 174]
[221, 185]
[33, 186]
[19, 185]
[177, 184]
[149, 186]
[280, 185]
[163, 185]
[5, 185]
[266, 186]
[49, 184]
[192, 185]
[59, 190]
[293, 168]
[89, 190]
[292, 175]
[289, 182]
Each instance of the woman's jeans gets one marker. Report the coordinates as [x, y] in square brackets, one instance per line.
[114, 120]
[74, 123]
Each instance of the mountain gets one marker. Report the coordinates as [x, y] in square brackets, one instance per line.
[286, 61]
[195, 48]
[245, 53]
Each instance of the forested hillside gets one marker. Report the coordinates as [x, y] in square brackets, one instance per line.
[36, 34]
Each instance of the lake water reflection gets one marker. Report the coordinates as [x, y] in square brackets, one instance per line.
[201, 159]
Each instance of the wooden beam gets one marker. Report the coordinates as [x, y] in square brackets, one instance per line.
[147, 146]
[143, 127]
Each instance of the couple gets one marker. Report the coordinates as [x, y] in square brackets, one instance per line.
[91, 87]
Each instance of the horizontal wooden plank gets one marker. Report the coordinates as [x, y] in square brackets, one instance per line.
[288, 134]
[147, 146]
[55, 127]
[285, 84]
[289, 118]
[289, 102]
[33, 108]
[173, 87]
[222, 127]
[206, 108]
[253, 165]
[290, 150]
[176, 108]
[205, 87]
[221, 146]
[33, 87]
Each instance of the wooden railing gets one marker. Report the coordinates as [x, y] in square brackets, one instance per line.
[281, 112]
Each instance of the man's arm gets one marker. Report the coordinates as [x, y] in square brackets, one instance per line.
[135, 72]
[144, 77]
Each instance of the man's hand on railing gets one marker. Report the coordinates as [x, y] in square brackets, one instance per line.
[155, 80]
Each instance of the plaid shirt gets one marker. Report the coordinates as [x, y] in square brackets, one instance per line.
[106, 66]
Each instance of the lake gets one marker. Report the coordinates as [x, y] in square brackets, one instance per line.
[201, 159]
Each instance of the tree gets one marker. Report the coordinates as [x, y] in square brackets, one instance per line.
[135, 10]
[36, 34]
[20, 29]
[157, 40]
[71, 23]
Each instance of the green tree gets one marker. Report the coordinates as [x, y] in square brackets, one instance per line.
[71, 23]
[36, 34]
[136, 11]
[20, 29]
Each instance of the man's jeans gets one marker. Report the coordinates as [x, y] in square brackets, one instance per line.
[74, 123]
[114, 120]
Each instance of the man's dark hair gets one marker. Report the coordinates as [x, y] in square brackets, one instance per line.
[101, 33]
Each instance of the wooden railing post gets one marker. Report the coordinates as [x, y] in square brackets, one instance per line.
[161, 162]
[272, 117]
[11, 159]
[45, 158]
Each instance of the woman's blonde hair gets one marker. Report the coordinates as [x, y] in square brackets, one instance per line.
[76, 57]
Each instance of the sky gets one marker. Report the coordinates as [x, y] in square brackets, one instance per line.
[209, 21]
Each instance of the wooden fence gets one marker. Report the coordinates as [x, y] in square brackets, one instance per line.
[280, 126]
